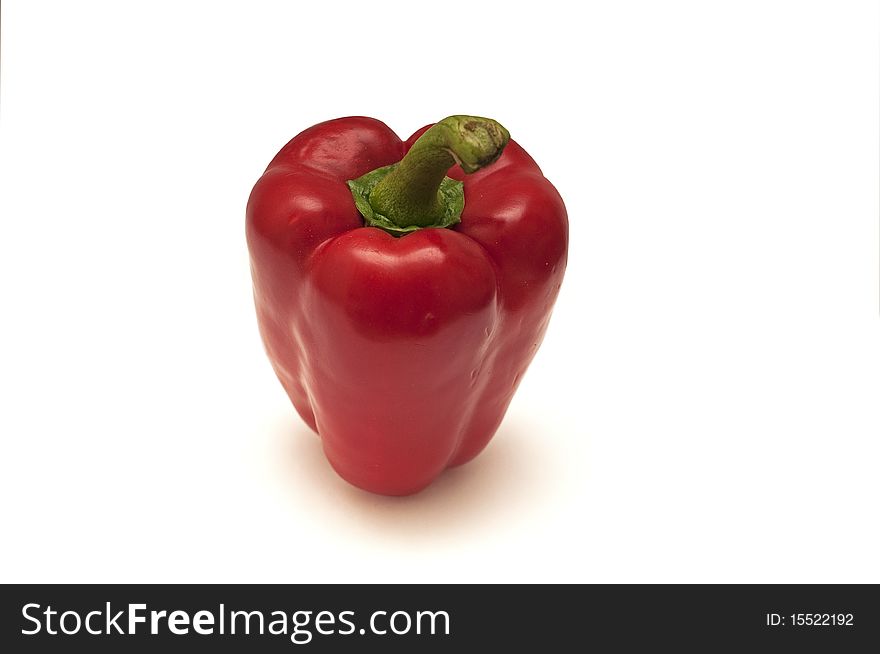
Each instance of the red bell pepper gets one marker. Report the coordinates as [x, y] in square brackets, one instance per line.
[400, 307]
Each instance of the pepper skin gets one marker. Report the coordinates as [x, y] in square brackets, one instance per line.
[401, 352]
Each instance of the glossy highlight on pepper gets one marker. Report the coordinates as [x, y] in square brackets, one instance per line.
[403, 287]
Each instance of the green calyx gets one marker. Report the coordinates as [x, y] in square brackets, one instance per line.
[415, 193]
[451, 202]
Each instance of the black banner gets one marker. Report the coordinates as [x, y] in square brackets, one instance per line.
[437, 618]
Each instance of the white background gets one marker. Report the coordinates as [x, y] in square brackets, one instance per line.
[706, 405]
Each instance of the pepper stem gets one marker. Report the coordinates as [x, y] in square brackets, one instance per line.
[409, 196]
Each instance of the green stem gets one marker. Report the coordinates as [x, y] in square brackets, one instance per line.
[409, 196]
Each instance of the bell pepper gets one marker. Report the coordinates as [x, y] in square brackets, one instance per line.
[403, 287]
